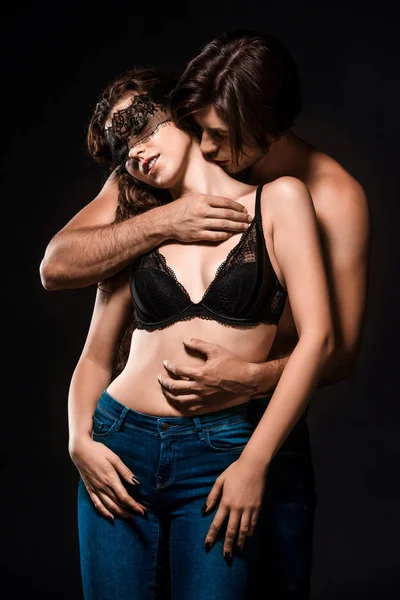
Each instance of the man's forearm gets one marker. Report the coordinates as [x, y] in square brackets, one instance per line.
[265, 376]
[81, 257]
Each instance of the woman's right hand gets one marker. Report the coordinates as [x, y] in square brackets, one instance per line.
[101, 471]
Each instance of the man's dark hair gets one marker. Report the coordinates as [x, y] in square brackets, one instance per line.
[251, 80]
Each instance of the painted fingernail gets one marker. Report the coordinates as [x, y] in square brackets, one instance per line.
[135, 481]
[208, 546]
[204, 509]
[228, 557]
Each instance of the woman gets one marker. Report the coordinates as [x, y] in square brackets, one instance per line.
[195, 481]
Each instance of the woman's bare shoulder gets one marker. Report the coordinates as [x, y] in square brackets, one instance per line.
[285, 186]
[286, 194]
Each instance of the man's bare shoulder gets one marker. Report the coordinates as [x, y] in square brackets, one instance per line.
[339, 198]
[332, 186]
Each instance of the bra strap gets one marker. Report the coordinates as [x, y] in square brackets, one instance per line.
[258, 203]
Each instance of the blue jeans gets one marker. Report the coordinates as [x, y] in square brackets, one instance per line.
[284, 564]
[177, 460]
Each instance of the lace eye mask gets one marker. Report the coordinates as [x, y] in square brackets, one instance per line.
[135, 124]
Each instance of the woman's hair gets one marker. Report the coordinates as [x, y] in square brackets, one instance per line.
[134, 196]
[251, 80]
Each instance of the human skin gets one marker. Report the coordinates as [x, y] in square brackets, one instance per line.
[91, 247]
[345, 230]
[295, 251]
[344, 226]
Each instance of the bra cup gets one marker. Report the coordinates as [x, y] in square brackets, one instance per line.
[245, 290]
[234, 292]
[156, 296]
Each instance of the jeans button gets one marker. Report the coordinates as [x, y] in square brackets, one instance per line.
[164, 426]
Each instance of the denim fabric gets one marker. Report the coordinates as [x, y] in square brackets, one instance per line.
[177, 460]
[287, 523]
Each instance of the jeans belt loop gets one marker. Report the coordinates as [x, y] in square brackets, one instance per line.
[121, 419]
[199, 428]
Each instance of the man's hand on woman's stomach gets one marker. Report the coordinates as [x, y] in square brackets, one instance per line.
[194, 373]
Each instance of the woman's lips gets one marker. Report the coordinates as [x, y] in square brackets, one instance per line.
[154, 166]
[222, 163]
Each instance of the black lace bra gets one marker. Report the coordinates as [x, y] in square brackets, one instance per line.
[244, 292]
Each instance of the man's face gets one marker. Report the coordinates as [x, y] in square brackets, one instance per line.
[215, 143]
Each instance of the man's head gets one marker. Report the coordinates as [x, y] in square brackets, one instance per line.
[241, 93]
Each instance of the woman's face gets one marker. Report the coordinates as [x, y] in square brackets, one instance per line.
[157, 148]
[160, 157]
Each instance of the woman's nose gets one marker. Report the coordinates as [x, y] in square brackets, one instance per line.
[136, 150]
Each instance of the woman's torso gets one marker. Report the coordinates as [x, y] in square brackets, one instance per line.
[193, 267]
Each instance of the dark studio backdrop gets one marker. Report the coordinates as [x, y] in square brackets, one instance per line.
[57, 58]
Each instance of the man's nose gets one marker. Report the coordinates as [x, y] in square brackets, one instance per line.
[207, 145]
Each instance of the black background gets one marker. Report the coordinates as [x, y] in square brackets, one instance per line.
[56, 59]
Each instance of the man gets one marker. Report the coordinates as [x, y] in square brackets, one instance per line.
[242, 93]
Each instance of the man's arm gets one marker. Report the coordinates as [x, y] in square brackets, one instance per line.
[91, 247]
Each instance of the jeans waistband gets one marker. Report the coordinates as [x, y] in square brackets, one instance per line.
[119, 411]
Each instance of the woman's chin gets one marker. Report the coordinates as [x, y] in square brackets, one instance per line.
[162, 180]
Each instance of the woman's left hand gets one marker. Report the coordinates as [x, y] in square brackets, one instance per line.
[240, 490]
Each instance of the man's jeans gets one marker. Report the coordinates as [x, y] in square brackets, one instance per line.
[287, 522]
